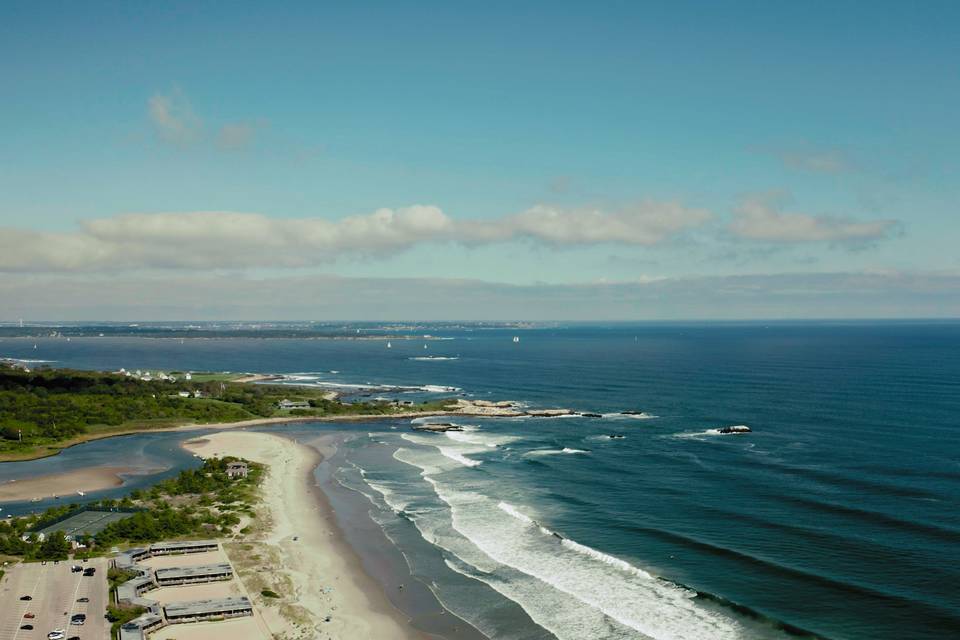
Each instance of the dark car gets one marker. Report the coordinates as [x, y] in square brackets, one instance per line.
[26, 597]
[74, 638]
[83, 599]
[26, 627]
[89, 572]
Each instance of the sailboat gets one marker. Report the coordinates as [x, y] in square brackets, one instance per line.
[516, 338]
[389, 346]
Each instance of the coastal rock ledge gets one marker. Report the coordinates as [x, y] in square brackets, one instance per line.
[438, 427]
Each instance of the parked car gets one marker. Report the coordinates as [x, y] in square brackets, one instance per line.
[76, 568]
[26, 597]
[83, 599]
[57, 634]
[89, 571]
[29, 616]
[26, 627]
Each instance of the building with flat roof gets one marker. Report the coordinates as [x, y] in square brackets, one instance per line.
[138, 628]
[194, 574]
[145, 579]
[183, 546]
[207, 609]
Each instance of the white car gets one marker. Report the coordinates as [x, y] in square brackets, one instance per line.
[57, 634]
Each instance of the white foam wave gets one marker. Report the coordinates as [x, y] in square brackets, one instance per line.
[574, 591]
[455, 455]
[513, 511]
[479, 439]
[434, 388]
[629, 598]
[451, 453]
[590, 552]
[554, 452]
[433, 358]
[629, 416]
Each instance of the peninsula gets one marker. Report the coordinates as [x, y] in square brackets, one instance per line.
[45, 410]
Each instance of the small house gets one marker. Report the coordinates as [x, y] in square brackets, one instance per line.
[237, 470]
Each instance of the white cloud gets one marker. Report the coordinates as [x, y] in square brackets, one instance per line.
[173, 119]
[761, 218]
[219, 239]
[647, 223]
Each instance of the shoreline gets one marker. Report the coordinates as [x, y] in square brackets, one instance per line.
[325, 574]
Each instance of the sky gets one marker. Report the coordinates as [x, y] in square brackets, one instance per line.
[555, 160]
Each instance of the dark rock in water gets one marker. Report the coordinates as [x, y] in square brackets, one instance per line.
[737, 428]
[616, 436]
[440, 427]
[557, 535]
[590, 415]
[548, 413]
[633, 413]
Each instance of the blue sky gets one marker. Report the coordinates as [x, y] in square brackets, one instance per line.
[561, 144]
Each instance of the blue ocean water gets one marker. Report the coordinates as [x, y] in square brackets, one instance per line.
[837, 516]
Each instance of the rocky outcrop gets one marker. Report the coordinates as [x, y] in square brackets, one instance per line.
[439, 427]
[737, 428]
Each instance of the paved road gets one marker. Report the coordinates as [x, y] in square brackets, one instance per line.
[55, 591]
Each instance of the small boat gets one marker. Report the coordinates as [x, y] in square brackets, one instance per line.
[389, 346]
[516, 338]
[80, 493]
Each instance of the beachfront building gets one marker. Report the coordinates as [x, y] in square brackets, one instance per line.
[185, 546]
[138, 628]
[193, 575]
[293, 404]
[198, 610]
[237, 470]
[145, 579]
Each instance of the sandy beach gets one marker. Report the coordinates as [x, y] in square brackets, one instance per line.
[297, 550]
[62, 484]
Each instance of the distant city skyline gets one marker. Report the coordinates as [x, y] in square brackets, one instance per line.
[545, 161]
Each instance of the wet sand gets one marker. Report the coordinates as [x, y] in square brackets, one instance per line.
[319, 576]
[62, 484]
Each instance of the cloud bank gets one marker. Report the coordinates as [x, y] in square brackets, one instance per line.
[218, 239]
[209, 297]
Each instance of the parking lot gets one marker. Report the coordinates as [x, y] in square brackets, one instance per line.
[54, 590]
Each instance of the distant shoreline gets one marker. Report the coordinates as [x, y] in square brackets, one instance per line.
[253, 422]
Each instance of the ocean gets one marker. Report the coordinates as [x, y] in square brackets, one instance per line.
[835, 517]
